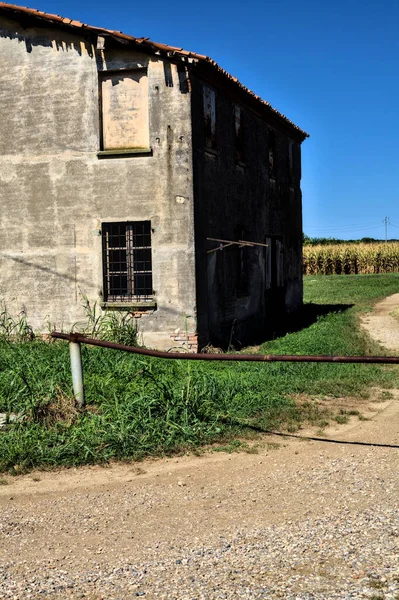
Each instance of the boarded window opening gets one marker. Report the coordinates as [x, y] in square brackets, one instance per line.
[239, 137]
[124, 109]
[290, 158]
[127, 261]
[272, 153]
[274, 263]
[291, 150]
[209, 100]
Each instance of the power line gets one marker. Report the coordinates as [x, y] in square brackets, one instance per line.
[336, 230]
[346, 225]
[386, 222]
[341, 229]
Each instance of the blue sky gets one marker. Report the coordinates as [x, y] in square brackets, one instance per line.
[331, 67]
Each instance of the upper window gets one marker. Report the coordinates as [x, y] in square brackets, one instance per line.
[291, 160]
[124, 110]
[272, 153]
[209, 117]
[127, 261]
[238, 131]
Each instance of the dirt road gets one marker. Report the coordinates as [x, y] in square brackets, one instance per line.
[305, 520]
[381, 325]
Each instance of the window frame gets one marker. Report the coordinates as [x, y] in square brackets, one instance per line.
[272, 153]
[239, 147]
[291, 161]
[274, 263]
[131, 258]
[209, 116]
[129, 149]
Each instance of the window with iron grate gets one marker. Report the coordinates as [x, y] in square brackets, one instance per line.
[127, 261]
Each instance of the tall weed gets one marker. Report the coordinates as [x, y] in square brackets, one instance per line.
[14, 328]
[113, 326]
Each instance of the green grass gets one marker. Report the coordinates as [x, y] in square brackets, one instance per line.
[362, 290]
[140, 406]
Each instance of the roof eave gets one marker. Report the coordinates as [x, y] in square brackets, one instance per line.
[211, 71]
[158, 48]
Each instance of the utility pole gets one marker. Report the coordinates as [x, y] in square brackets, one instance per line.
[386, 221]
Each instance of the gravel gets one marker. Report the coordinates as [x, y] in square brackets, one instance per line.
[305, 521]
[343, 557]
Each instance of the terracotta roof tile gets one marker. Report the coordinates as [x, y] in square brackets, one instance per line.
[171, 50]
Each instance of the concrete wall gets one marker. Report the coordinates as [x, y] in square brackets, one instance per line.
[55, 191]
[239, 200]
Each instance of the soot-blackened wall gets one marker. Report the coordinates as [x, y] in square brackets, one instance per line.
[246, 187]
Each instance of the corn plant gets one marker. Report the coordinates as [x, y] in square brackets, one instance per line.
[351, 259]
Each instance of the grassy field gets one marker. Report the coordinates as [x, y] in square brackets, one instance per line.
[351, 259]
[140, 406]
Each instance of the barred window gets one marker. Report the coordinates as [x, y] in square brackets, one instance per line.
[127, 261]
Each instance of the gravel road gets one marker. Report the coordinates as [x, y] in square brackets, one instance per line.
[381, 325]
[305, 520]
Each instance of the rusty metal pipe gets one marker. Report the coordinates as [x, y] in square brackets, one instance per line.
[78, 338]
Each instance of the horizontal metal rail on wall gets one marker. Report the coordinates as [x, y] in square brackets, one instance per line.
[75, 339]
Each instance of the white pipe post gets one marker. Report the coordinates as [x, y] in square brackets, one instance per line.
[77, 372]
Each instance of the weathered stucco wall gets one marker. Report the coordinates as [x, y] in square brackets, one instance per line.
[238, 199]
[55, 191]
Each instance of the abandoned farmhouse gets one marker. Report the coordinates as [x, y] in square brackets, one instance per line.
[145, 178]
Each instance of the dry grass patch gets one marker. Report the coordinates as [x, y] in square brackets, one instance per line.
[395, 313]
[319, 411]
[62, 409]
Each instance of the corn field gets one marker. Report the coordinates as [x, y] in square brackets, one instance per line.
[351, 259]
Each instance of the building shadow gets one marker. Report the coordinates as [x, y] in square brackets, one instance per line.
[249, 333]
[308, 315]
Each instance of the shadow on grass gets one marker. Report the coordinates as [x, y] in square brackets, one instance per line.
[248, 333]
[304, 318]
[309, 314]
